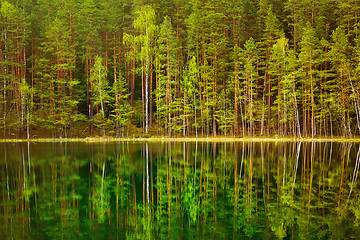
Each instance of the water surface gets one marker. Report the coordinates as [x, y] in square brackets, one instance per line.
[179, 190]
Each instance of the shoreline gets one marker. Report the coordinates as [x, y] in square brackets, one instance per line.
[180, 139]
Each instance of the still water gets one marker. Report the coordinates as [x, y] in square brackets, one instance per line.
[179, 190]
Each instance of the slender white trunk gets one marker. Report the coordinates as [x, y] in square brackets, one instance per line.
[101, 101]
[296, 110]
[25, 95]
[356, 104]
[285, 86]
[355, 173]
[146, 99]
[196, 132]
[349, 127]
[5, 71]
[7, 174]
[296, 167]
[147, 173]
[22, 106]
[263, 110]
[284, 167]
[116, 106]
[184, 155]
[242, 118]
[27, 120]
[324, 122]
[147, 45]
[28, 156]
[184, 117]
[242, 158]
[331, 149]
[194, 181]
[29, 165]
[102, 186]
[23, 83]
[251, 105]
[331, 126]
[262, 172]
[8, 190]
[225, 116]
[24, 172]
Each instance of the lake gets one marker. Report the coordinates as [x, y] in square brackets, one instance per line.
[176, 190]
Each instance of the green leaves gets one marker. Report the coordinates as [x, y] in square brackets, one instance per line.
[145, 19]
[212, 65]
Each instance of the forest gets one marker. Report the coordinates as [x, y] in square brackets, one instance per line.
[199, 68]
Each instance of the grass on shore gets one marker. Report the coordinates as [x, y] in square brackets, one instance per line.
[184, 139]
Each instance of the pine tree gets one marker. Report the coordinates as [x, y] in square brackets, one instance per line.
[235, 10]
[60, 52]
[249, 58]
[116, 64]
[308, 65]
[122, 107]
[13, 67]
[166, 65]
[194, 47]
[88, 27]
[339, 58]
[215, 51]
[271, 32]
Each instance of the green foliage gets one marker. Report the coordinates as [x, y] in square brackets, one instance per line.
[183, 68]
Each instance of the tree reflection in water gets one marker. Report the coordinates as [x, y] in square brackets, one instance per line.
[202, 190]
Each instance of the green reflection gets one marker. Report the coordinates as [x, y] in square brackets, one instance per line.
[197, 190]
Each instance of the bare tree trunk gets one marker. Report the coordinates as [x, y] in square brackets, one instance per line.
[242, 119]
[147, 82]
[102, 186]
[101, 102]
[147, 173]
[355, 173]
[263, 110]
[143, 95]
[24, 81]
[356, 104]
[133, 84]
[196, 131]
[116, 91]
[343, 99]
[5, 86]
[296, 109]
[151, 93]
[146, 98]
[269, 104]
[184, 114]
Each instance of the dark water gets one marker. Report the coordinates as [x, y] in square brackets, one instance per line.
[179, 191]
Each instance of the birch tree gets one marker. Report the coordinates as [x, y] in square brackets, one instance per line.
[100, 94]
[145, 23]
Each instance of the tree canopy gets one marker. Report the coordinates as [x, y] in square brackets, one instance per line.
[179, 68]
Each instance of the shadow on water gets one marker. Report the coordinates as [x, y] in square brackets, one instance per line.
[175, 190]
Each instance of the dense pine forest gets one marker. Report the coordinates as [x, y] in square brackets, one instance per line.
[177, 68]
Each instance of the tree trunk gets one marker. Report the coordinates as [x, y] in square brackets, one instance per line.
[5, 86]
[151, 93]
[116, 91]
[101, 102]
